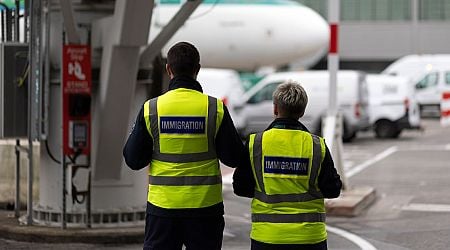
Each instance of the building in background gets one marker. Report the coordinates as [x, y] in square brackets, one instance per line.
[373, 33]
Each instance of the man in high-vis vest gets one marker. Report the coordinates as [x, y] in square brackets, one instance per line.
[182, 135]
[290, 175]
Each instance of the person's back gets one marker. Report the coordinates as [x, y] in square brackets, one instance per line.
[182, 134]
[292, 173]
[185, 158]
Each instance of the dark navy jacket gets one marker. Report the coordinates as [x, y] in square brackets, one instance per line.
[329, 180]
[229, 147]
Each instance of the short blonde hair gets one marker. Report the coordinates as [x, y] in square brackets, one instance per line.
[291, 99]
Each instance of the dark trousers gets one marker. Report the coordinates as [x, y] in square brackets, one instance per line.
[171, 233]
[257, 245]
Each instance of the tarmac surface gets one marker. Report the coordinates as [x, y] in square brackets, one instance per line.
[410, 175]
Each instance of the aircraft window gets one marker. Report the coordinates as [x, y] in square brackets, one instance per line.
[447, 78]
[265, 94]
[428, 81]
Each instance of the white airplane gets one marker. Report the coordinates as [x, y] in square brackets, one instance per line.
[245, 34]
[248, 34]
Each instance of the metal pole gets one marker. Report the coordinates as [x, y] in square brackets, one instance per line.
[333, 122]
[16, 22]
[333, 57]
[42, 48]
[30, 179]
[3, 24]
[415, 26]
[63, 212]
[88, 202]
[31, 117]
[8, 25]
[17, 201]
[63, 157]
[46, 90]
[26, 21]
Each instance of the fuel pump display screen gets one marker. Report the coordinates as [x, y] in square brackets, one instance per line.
[79, 134]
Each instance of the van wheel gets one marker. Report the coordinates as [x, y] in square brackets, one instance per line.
[347, 134]
[348, 137]
[397, 134]
[386, 129]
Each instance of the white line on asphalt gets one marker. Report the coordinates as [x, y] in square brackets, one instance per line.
[228, 234]
[427, 207]
[426, 148]
[371, 161]
[362, 243]
[228, 179]
[237, 218]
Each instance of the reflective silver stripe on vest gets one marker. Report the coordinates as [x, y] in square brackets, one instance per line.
[184, 180]
[289, 218]
[316, 161]
[312, 192]
[277, 198]
[257, 160]
[191, 157]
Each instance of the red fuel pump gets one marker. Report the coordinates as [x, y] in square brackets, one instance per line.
[76, 113]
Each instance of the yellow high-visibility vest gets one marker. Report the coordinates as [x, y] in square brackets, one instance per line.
[184, 171]
[288, 207]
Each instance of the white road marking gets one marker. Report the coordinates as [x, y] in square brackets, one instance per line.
[362, 243]
[228, 234]
[348, 164]
[237, 218]
[227, 179]
[426, 148]
[371, 161]
[419, 207]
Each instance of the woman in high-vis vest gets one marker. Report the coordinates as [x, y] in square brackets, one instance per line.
[290, 175]
[182, 134]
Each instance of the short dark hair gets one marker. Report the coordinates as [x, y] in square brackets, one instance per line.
[291, 99]
[184, 59]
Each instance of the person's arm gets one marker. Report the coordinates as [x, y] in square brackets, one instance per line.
[139, 146]
[243, 180]
[330, 183]
[229, 147]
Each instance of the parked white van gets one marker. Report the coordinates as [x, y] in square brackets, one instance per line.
[414, 66]
[224, 84]
[430, 86]
[429, 74]
[256, 110]
[392, 105]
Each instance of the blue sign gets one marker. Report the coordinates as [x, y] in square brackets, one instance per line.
[286, 165]
[182, 125]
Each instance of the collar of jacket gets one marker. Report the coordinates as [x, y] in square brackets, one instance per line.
[287, 123]
[185, 82]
